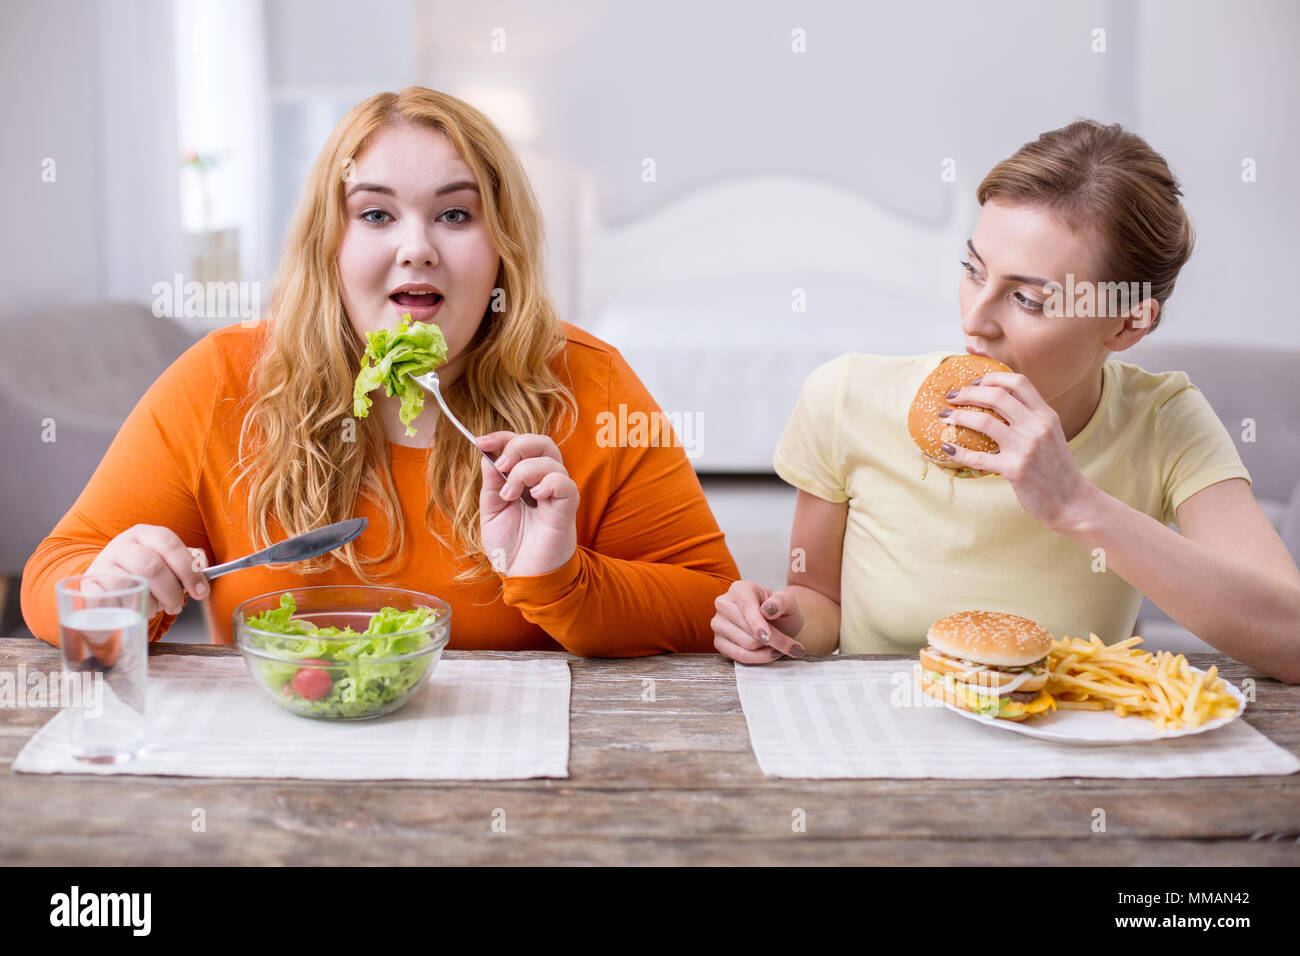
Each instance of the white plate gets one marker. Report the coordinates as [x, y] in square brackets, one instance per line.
[1096, 726]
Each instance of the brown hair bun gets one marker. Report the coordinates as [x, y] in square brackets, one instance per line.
[929, 431]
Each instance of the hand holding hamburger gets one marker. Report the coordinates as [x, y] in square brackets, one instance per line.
[974, 416]
[931, 432]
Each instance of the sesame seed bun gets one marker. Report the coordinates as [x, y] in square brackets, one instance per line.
[929, 431]
[990, 637]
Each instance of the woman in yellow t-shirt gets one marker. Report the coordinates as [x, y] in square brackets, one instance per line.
[1095, 459]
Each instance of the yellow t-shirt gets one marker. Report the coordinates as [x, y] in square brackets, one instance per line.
[912, 556]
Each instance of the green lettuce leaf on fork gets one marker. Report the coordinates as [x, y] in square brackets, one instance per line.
[409, 349]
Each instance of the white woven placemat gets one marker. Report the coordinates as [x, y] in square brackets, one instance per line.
[827, 719]
[472, 720]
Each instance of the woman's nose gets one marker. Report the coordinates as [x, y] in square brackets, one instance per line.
[977, 319]
[417, 248]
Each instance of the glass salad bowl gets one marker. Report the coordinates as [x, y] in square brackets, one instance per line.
[342, 652]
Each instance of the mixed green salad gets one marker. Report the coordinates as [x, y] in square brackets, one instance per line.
[360, 680]
[410, 349]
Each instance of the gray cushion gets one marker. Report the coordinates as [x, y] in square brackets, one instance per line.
[1242, 382]
[84, 367]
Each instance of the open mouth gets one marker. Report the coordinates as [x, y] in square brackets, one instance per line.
[416, 299]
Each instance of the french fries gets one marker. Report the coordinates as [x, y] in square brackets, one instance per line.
[1162, 687]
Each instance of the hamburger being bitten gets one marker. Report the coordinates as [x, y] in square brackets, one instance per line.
[929, 431]
[988, 662]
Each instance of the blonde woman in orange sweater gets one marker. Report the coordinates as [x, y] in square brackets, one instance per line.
[249, 436]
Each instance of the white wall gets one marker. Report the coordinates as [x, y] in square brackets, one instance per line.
[338, 45]
[1218, 83]
[885, 91]
[49, 240]
[91, 86]
[323, 58]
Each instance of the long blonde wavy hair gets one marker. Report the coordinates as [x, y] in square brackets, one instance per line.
[305, 466]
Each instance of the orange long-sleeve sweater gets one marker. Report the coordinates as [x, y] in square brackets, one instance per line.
[650, 557]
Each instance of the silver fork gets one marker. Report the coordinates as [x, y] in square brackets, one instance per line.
[429, 382]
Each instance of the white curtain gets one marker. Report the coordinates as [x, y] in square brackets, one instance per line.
[221, 79]
[141, 240]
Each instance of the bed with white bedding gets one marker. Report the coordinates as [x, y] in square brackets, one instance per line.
[725, 299]
[730, 358]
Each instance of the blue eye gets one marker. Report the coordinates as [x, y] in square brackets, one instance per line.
[369, 211]
[457, 222]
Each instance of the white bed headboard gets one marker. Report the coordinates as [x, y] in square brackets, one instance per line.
[757, 225]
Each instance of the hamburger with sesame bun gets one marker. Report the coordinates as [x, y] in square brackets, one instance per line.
[988, 662]
[929, 431]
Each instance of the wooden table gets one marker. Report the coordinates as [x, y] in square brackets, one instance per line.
[668, 781]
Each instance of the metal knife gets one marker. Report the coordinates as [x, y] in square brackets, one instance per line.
[298, 548]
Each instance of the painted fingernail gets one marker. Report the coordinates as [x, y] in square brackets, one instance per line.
[948, 449]
[978, 380]
[769, 608]
[945, 413]
[951, 394]
[763, 636]
[797, 650]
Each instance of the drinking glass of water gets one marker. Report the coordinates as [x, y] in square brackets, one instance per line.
[103, 636]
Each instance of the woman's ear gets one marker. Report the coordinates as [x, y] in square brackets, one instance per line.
[1145, 316]
[1141, 319]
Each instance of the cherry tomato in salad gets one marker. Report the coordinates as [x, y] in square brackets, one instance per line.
[312, 683]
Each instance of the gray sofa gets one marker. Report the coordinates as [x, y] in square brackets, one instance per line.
[1240, 382]
[71, 374]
